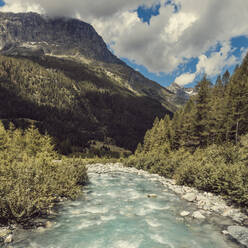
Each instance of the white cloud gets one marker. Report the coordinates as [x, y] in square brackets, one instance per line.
[86, 8]
[214, 64]
[185, 79]
[211, 65]
[178, 23]
[170, 39]
[18, 6]
[244, 52]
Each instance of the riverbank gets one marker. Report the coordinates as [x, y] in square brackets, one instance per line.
[201, 207]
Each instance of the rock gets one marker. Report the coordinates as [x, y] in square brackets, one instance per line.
[238, 217]
[49, 224]
[204, 204]
[152, 196]
[176, 189]
[40, 229]
[8, 239]
[198, 215]
[245, 222]
[239, 233]
[225, 232]
[227, 212]
[189, 197]
[4, 232]
[171, 181]
[185, 213]
[217, 209]
[187, 189]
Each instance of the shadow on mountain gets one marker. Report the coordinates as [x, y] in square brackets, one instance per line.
[72, 111]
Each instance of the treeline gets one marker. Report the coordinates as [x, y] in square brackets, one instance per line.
[206, 143]
[31, 179]
[73, 103]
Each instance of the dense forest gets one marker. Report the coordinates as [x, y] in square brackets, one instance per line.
[73, 103]
[205, 144]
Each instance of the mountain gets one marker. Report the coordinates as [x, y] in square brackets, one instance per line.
[181, 95]
[59, 74]
[30, 34]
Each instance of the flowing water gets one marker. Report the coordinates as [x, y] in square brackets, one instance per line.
[115, 212]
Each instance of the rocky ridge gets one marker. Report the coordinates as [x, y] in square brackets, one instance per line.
[181, 94]
[23, 32]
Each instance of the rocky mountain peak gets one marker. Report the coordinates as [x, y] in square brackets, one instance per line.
[180, 90]
[181, 94]
[23, 32]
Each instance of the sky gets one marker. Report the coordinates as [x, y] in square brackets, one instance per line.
[166, 40]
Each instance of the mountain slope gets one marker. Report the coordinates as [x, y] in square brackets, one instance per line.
[73, 105]
[60, 74]
[30, 34]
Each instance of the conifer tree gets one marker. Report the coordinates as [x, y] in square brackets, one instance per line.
[217, 112]
[238, 102]
[201, 117]
[226, 77]
[188, 138]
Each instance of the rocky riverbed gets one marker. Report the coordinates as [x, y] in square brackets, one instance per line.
[200, 207]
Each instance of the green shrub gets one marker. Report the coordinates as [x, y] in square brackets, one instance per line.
[31, 181]
[219, 169]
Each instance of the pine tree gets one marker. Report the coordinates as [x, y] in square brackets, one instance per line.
[226, 78]
[217, 112]
[188, 138]
[201, 118]
[176, 130]
[238, 102]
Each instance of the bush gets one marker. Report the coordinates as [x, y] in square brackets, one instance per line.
[219, 169]
[31, 181]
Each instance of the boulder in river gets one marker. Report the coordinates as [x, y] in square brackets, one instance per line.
[198, 215]
[239, 233]
[185, 213]
[8, 239]
[189, 197]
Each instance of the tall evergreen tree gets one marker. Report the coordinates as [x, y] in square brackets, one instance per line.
[201, 118]
[226, 77]
[238, 102]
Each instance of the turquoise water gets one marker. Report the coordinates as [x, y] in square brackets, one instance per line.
[115, 212]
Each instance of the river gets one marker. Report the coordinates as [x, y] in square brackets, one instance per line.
[116, 212]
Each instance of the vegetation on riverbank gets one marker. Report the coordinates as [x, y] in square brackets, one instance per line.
[32, 179]
[205, 145]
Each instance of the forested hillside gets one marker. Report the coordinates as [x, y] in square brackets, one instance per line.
[73, 103]
[206, 143]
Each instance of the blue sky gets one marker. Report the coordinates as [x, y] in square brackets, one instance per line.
[238, 44]
[166, 40]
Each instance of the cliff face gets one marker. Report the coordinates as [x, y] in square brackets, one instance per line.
[60, 36]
